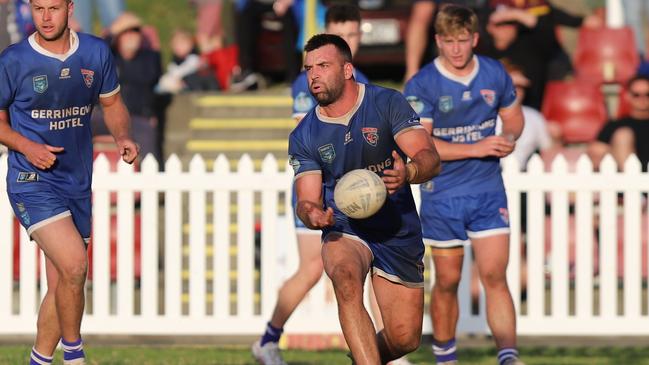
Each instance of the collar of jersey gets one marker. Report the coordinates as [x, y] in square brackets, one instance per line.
[464, 80]
[344, 119]
[74, 45]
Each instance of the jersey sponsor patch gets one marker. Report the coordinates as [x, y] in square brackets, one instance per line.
[294, 163]
[88, 77]
[40, 83]
[466, 96]
[489, 96]
[26, 177]
[348, 137]
[445, 103]
[327, 153]
[371, 136]
[65, 73]
[504, 215]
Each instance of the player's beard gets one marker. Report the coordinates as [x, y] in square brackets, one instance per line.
[56, 36]
[330, 93]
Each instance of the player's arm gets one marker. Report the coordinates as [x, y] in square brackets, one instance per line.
[497, 146]
[308, 187]
[424, 160]
[118, 123]
[513, 120]
[42, 156]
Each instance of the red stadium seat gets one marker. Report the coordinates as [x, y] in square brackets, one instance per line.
[606, 55]
[578, 108]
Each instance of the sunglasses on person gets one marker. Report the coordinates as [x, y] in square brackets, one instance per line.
[637, 95]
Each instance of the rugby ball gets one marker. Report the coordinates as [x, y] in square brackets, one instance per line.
[360, 193]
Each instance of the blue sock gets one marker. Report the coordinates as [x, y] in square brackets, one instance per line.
[39, 359]
[506, 354]
[73, 352]
[272, 334]
[445, 351]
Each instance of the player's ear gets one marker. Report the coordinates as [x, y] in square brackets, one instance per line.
[476, 37]
[348, 69]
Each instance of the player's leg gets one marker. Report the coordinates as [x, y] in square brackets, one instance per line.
[290, 295]
[489, 232]
[398, 280]
[445, 231]
[48, 331]
[346, 261]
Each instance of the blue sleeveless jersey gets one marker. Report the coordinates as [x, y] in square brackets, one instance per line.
[49, 99]
[462, 110]
[303, 101]
[362, 139]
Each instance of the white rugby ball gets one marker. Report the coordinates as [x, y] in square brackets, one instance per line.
[360, 193]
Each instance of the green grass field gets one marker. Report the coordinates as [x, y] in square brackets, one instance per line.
[240, 356]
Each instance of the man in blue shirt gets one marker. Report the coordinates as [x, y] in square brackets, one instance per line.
[343, 20]
[458, 97]
[48, 86]
[364, 126]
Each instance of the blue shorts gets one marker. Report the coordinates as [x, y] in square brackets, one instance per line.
[37, 209]
[400, 264]
[451, 222]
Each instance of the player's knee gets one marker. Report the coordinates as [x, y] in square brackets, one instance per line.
[346, 284]
[494, 279]
[447, 282]
[406, 343]
[74, 273]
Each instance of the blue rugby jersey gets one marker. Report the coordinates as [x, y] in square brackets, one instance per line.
[363, 138]
[462, 110]
[49, 99]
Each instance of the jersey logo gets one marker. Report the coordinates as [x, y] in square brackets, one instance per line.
[446, 103]
[24, 216]
[371, 135]
[327, 153]
[348, 137]
[303, 102]
[504, 215]
[416, 104]
[88, 77]
[25, 177]
[65, 73]
[294, 163]
[466, 96]
[489, 96]
[40, 83]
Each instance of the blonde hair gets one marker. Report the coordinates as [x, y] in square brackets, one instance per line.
[455, 19]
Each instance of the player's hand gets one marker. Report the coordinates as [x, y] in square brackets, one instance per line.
[42, 156]
[496, 146]
[319, 218]
[395, 178]
[128, 149]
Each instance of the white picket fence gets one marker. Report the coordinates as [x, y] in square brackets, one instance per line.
[205, 280]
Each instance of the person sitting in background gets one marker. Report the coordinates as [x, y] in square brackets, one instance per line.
[139, 70]
[186, 71]
[626, 136]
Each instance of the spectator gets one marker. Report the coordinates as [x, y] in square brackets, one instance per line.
[186, 70]
[626, 136]
[250, 14]
[525, 35]
[139, 70]
[108, 11]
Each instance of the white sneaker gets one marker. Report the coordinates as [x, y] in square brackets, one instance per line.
[403, 360]
[268, 354]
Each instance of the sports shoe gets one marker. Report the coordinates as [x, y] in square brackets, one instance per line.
[268, 354]
[513, 361]
[403, 360]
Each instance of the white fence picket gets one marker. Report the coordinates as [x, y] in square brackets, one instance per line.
[197, 256]
[245, 241]
[125, 245]
[632, 242]
[608, 243]
[584, 269]
[221, 257]
[560, 245]
[100, 242]
[6, 246]
[173, 239]
[149, 241]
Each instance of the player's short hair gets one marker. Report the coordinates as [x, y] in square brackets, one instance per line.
[342, 12]
[321, 40]
[454, 19]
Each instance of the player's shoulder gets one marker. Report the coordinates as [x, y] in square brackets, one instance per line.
[380, 92]
[423, 76]
[304, 126]
[489, 64]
